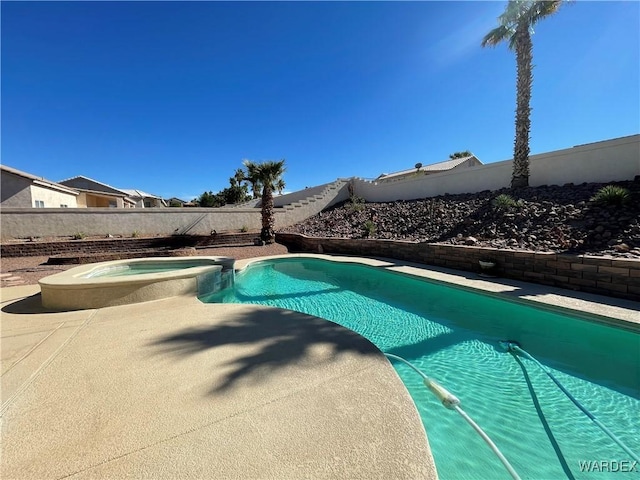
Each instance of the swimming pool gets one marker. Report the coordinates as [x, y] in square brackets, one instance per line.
[128, 268]
[453, 335]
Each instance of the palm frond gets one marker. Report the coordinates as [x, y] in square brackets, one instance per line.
[541, 9]
[497, 35]
[520, 14]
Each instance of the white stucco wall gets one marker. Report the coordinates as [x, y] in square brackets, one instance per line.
[52, 198]
[473, 179]
[20, 192]
[28, 222]
[611, 160]
[600, 162]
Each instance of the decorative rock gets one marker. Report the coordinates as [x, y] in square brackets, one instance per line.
[546, 219]
[621, 248]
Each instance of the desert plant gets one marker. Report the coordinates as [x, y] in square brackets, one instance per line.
[244, 229]
[611, 195]
[78, 236]
[369, 228]
[135, 234]
[504, 202]
[357, 203]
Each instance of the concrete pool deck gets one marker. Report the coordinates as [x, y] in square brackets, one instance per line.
[176, 388]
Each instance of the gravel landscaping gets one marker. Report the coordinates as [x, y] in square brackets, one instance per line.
[542, 219]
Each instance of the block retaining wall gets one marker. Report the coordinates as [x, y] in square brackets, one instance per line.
[100, 246]
[610, 276]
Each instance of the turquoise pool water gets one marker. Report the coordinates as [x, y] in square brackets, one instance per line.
[143, 268]
[452, 335]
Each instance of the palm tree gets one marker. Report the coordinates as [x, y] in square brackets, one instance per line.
[279, 185]
[456, 155]
[269, 175]
[516, 26]
[256, 186]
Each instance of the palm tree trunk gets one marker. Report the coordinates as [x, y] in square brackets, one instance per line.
[524, 60]
[268, 221]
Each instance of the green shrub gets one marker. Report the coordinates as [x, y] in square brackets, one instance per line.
[611, 195]
[357, 203]
[504, 202]
[78, 236]
[135, 234]
[369, 228]
[244, 229]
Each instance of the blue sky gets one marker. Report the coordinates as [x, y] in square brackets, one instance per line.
[170, 97]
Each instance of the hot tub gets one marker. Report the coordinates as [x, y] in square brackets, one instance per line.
[121, 282]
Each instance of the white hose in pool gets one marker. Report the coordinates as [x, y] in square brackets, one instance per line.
[452, 402]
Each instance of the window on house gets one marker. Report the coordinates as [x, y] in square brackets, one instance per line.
[39, 204]
[113, 204]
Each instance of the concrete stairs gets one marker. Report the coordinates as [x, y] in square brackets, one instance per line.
[331, 194]
[303, 204]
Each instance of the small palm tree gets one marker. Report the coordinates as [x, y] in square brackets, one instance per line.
[269, 175]
[456, 155]
[516, 26]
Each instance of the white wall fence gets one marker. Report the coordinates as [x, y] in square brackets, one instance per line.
[60, 222]
[600, 162]
[607, 161]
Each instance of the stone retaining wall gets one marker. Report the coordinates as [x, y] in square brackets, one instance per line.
[91, 246]
[614, 277]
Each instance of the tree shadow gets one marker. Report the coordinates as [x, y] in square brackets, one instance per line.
[275, 339]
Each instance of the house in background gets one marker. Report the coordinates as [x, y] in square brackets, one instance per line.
[446, 166]
[144, 199]
[97, 194]
[176, 202]
[21, 189]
